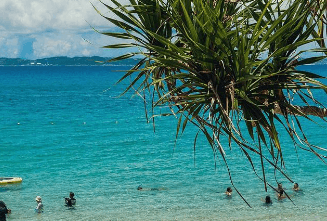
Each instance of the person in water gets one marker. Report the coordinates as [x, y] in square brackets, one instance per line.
[296, 187]
[149, 189]
[39, 207]
[70, 201]
[280, 187]
[268, 200]
[229, 191]
[3, 211]
[281, 195]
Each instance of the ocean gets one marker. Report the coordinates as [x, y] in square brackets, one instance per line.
[67, 129]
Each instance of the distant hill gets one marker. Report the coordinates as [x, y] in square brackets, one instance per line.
[64, 61]
[78, 61]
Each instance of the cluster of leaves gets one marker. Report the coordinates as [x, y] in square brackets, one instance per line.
[218, 63]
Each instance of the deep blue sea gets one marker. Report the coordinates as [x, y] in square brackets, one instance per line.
[66, 129]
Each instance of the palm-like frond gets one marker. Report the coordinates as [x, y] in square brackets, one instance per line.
[218, 63]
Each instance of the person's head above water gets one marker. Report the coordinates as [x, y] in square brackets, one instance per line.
[296, 186]
[71, 195]
[229, 191]
[139, 187]
[268, 200]
[38, 199]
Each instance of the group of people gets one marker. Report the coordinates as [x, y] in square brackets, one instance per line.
[280, 192]
[69, 201]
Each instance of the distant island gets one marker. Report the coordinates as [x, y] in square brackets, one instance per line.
[78, 61]
[65, 61]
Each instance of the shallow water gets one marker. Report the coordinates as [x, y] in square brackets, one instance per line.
[64, 129]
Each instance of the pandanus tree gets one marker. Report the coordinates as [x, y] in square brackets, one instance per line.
[319, 16]
[229, 67]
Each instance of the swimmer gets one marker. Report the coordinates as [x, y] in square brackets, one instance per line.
[268, 200]
[71, 200]
[3, 211]
[150, 189]
[281, 195]
[229, 191]
[280, 187]
[154, 189]
[296, 187]
[39, 207]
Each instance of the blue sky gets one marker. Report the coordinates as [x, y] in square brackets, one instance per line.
[45, 28]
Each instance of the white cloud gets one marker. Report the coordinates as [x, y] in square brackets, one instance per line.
[26, 16]
[9, 47]
[49, 47]
[73, 44]
[53, 28]
[86, 52]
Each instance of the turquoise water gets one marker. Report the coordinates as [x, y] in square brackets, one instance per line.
[64, 129]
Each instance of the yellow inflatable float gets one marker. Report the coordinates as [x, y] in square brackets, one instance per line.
[9, 180]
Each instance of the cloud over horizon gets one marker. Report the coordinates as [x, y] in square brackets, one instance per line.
[37, 29]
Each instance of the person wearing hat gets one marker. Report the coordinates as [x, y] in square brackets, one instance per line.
[39, 207]
[71, 200]
[3, 211]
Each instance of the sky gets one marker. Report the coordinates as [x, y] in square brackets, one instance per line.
[32, 29]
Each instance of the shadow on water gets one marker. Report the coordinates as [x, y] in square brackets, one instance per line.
[10, 187]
